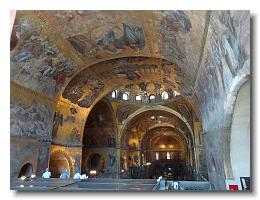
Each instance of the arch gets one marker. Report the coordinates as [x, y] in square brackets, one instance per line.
[167, 125]
[125, 96]
[138, 98]
[165, 95]
[110, 107]
[113, 95]
[240, 134]
[108, 86]
[101, 119]
[154, 132]
[182, 135]
[229, 108]
[26, 170]
[152, 98]
[157, 108]
[127, 80]
[95, 162]
[60, 161]
[115, 58]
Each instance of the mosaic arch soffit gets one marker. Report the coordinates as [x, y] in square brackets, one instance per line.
[93, 83]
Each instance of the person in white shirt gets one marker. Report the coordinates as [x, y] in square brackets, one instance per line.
[46, 174]
[83, 176]
[77, 176]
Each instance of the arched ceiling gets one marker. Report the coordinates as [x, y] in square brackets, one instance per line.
[165, 136]
[100, 78]
[53, 47]
[150, 120]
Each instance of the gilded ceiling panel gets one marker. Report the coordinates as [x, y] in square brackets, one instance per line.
[37, 63]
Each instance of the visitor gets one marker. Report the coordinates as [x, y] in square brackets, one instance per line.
[77, 176]
[64, 174]
[46, 174]
[83, 176]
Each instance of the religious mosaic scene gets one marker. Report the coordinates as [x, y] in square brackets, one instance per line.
[130, 100]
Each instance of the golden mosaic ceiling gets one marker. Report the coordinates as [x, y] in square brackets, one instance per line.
[78, 39]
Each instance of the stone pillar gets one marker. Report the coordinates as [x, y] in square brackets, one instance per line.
[118, 162]
[139, 156]
[43, 159]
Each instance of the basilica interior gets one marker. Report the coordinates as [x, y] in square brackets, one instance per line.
[131, 95]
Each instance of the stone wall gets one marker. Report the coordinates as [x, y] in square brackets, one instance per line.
[30, 129]
[225, 66]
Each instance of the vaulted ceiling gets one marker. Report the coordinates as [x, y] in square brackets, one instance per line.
[80, 56]
[50, 48]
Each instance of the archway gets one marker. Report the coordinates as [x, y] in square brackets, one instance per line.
[127, 75]
[58, 163]
[99, 141]
[96, 162]
[26, 170]
[137, 143]
[240, 135]
[167, 151]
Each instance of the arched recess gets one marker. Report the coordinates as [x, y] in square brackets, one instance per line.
[60, 161]
[95, 162]
[100, 128]
[154, 117]
[168, 152]
[240, 135]
[26, 170]
[185, 136]
[99, 139]
[89, 85]
[157, 108]
[229, 117]
[164, 131]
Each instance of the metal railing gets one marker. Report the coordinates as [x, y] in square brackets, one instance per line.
[202, 178]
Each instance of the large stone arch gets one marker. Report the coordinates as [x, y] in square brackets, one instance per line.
[107, 86]
[242, 79]
[167, 125]
[61, 154]
[157, 108]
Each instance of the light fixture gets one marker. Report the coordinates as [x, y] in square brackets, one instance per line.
[23, 178]
[33, 176]
[21, 186]
[171, 146]
[93, 172]
[159, 121]
[148, 163]
[160, 116]
[152, 117]
[122, 170]
[163, 146]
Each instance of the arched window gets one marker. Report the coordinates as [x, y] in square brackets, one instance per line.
[176, 93]
[168, 156]
[113, 95]
[152, 97]
[165, 95]
[157, 156]
[138, 98]
[125, 96]
[26, 170]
